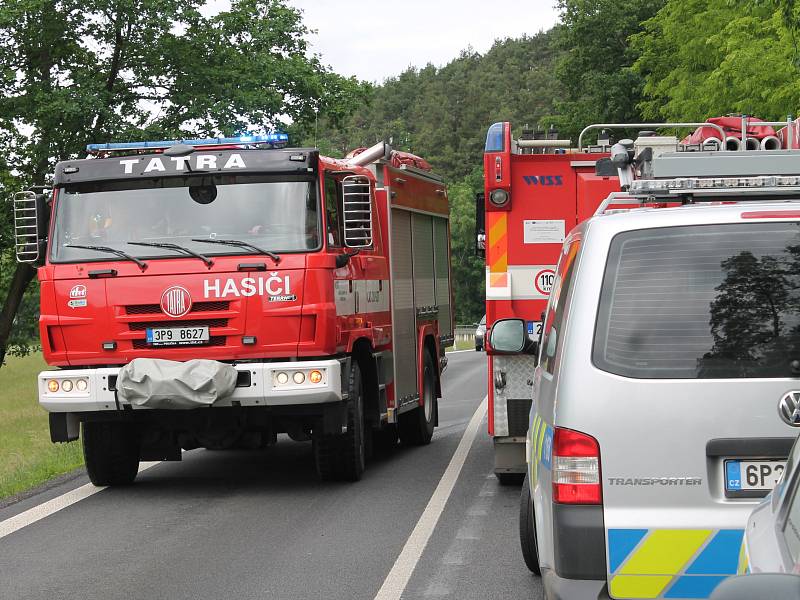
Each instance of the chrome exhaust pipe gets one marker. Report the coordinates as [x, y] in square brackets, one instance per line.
[752, 144]
[732, 143]
[770, 142]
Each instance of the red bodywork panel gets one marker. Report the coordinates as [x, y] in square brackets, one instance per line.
[550, 195]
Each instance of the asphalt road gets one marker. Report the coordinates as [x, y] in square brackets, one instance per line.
[260, 525]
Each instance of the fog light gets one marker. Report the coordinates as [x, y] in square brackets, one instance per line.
[66, 385]
[52, 385]
[82, 385]
[282, 378]
[315, 377]
[298, 377]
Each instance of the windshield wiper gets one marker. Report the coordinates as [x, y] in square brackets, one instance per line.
[125, 255]
[241, 244]
[170, 246]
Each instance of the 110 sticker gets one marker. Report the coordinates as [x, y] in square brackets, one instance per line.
[544, 281]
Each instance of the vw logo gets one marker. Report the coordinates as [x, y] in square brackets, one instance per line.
[789, 408]
[176, 301]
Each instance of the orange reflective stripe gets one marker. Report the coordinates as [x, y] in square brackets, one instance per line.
[497, 253]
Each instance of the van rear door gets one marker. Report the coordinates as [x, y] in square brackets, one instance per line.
[696, 355]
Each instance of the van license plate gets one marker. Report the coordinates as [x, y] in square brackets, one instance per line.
[177, 336]
[742, 476]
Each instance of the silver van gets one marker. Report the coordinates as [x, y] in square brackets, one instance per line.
[663, 396]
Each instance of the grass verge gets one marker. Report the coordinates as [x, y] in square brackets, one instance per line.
[27, 456]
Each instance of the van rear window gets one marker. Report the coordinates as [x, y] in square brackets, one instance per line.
[700, 302]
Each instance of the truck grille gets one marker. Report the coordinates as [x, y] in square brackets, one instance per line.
[190, 323]
[214, 340]
[155, 309]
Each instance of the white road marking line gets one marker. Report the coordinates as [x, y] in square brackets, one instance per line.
[457, 351]
[37, 513]
[397, 579]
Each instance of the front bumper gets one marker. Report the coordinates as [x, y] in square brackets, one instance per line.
[257, 387]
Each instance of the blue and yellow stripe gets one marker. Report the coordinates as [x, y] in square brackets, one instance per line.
[541, 446]
[671, 563]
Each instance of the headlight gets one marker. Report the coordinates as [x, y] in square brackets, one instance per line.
[82, 385]
[282, 378]
[67, 385]
[315, 377]
[52, 385]
[298, 377]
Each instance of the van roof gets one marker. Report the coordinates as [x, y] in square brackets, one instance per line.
[698, 214]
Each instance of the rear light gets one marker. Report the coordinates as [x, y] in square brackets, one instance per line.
[499, 197]
[576, 468]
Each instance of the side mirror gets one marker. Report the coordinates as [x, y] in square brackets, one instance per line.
[509, 336]
[480, 225]
[357, 213]
[31, 220]
[759, 585]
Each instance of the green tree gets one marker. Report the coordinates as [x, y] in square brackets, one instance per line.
[78, 71]
[702, 58]
[467, 270]
[594, 69]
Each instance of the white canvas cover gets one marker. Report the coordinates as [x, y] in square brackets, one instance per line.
[158, 383]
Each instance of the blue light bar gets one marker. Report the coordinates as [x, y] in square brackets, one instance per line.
[272, 138]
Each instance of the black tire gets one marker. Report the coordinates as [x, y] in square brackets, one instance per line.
[478, 348]
[342, 457]
[510, 478]
[416, 426]
[111, 452]
[527, 530]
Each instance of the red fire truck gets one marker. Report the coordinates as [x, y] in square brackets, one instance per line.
[215, 293]
[536, 189]
[535, 192]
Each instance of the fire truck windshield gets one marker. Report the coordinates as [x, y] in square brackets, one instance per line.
[278, 216]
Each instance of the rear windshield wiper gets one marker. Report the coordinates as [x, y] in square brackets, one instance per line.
[241, 244]
[170, 246]
[125, 255]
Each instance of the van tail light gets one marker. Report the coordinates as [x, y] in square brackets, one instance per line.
[576, 468]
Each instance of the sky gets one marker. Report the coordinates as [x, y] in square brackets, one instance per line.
[376, 40]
